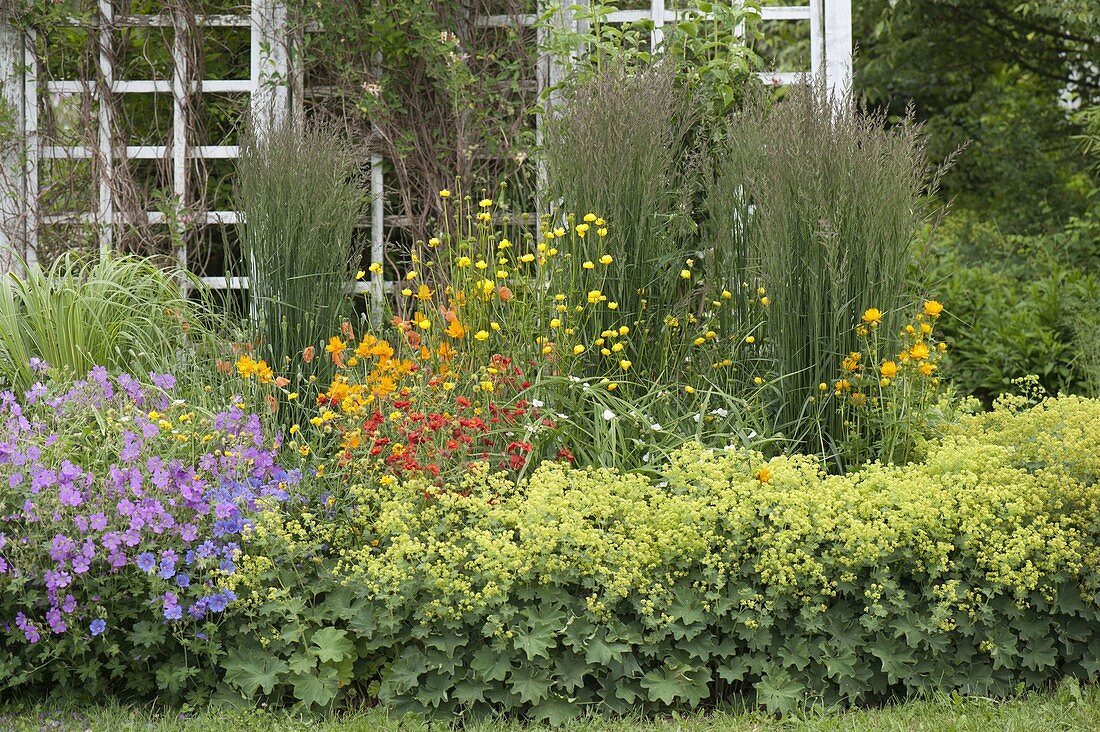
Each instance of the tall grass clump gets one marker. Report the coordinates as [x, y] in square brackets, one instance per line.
[121, 312]
[299, 191]
[823, 202]
[616, 149]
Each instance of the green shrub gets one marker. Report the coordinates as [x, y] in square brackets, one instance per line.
[976, 569]
[1019, 305]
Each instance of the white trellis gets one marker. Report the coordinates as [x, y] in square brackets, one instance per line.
[275, 89]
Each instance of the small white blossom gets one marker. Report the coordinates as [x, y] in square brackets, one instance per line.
[608, 415]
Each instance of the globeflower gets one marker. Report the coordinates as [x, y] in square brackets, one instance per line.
[933, 308]
[872, 316]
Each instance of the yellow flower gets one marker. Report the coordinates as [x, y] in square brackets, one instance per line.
[763, 475]
[578, 349]
[504, 244]
[434, 242]
[623, 330]
[595, 296]
[625, 365]
[481, 335]
[601, 232]
[424, 293]
[527, 258]
[410, 276]
[336, 346]
[765, 301]
[889, 369]
[481, 264]
[485, 202]
[407, 292]
[559, 232]
[484, 216]
[700, 341]
[555, 322]
[933, 308]
[685, 274]
[360, 275]
[750, 340]
[444, 193]
[759, 381]
[588, 265]
[919, 351]
[494, 326]
[612, 306]
[294, 429]
[606, 259]
[926, 369]
[851, 361]
[689, 389]
[375, 268]
[292, 395]
[822, 386]
[581, 230]
[926, 328]
[726, 294]
[872, 316]
[590, 217]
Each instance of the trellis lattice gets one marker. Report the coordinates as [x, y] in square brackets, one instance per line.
[275, 89]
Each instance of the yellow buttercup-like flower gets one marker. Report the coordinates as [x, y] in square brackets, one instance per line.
[872, 316]
[933, 308]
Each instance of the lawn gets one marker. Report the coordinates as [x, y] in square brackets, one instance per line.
[1068, 708]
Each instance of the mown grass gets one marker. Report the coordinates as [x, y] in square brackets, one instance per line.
[1068, 708]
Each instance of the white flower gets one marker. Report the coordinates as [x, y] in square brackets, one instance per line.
[696, 417]
[752, 434]
[608, 415]
[656, 427]
[536, 403]
[645, 458]
[720, 412]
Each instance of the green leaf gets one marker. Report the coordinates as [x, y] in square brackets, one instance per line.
[332, 644]
[555, 711]
[570, 671]
[778, 692]
[404, 673]
[529, 684]
[681, 681]
[491, 665]
[254, 669]
[318, 688]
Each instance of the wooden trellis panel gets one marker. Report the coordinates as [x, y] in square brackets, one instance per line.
[275, 89]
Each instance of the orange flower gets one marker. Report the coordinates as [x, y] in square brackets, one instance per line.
[505, 293]
[764, 475]
[919, 351]
[307, 355]
[456, 330]
[281, 381]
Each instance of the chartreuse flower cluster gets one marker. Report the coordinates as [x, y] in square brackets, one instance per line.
[976, 568]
